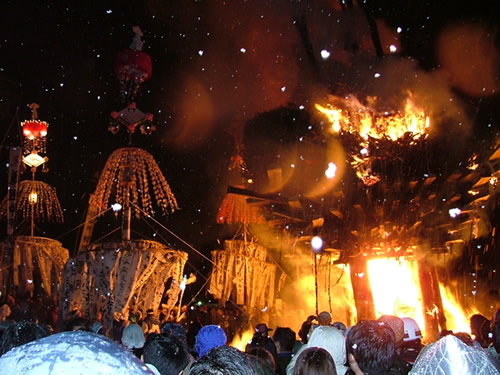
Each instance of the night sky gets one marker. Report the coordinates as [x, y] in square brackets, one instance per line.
[216, 64]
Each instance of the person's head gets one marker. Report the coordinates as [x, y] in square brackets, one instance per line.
[75, 352]
[340, 326]
[314, 361]
[167, 354]
[263, 354]
[495, 330]
[305, 328]
[370, 344]
[4, 312]
[449, 355]
[21, 333]
[98, 328]
[209, 337]
[133, 336]
[476, 323]
[76, 324]
[324, 318]
[262, 329]
[465, 338]
[174, 330]
[332, 340]
[284, 339]
[397, 325]
[222, 360]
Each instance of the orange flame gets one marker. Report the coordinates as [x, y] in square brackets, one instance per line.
[362, 120]
[457, 319]
[395, 290]
[240, 342]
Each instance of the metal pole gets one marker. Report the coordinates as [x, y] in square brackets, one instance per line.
[316, 280]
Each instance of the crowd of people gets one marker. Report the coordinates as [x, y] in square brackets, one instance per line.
[146, 345]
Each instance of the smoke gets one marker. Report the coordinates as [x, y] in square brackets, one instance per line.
[470, 59]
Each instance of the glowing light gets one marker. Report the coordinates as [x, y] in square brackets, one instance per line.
[454, 212]
[377, 75]
[116, 207]
[317, 243]
[331, 171]
[34, 159]
[394, 284]
[33, 197]
[243, 50]
[325, 54]
[393, 48]
[399, 29]
[182, 285]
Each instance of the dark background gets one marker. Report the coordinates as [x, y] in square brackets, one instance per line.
[204, 88]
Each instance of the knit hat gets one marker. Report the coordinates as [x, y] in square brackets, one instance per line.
[397, 326]
[209, 337]
[133, 337]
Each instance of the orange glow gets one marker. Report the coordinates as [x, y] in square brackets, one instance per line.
[362, 120]
[395, 290]
[456, 318]
[240, 342]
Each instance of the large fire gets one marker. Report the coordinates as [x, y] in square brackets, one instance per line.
[360, 119]
[396, 291]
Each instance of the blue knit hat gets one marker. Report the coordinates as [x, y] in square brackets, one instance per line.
[209, 337]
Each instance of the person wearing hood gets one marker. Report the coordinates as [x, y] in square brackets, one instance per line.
[449, 355]
[133, 339]
[330, 339]
[73, 352]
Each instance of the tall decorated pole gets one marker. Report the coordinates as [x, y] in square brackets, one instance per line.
[131, 274]
[31, 258]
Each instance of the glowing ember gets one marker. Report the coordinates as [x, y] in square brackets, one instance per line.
[394, 284]
[362, 120]
[240, 342]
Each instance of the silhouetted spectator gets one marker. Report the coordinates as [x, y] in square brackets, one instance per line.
[315, 361]
[284, 339]
[167, 354]
[222, 360]
[21, 333]
[261, 339]
[370, 348]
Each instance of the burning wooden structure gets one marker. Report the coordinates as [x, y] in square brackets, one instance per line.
[394, 196]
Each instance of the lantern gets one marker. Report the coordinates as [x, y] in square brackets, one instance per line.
[133, 67]
[35, 143]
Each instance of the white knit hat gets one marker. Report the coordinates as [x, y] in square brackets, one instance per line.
[133, 337]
